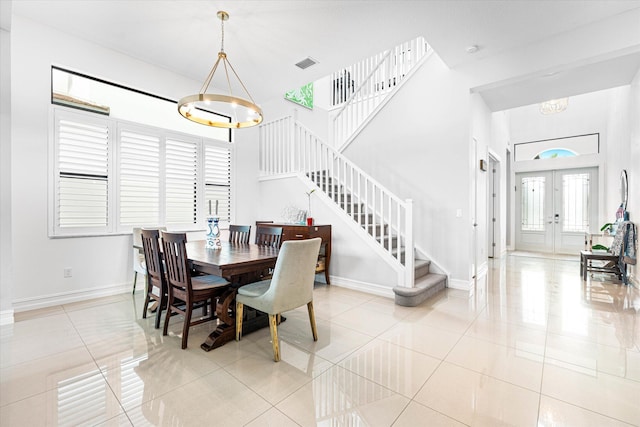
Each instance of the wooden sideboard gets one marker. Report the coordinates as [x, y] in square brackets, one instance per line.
[300, 232]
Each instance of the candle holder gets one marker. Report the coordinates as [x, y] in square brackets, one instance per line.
[213, 232]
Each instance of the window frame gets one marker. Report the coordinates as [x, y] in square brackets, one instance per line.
[114, 226]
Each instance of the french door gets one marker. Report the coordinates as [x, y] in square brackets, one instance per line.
[554, 209]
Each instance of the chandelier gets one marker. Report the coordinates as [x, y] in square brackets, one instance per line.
[221, 110]
[554, 106]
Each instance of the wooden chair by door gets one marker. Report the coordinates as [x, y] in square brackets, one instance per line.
[290, 287]
[157, 289]
[185, 289]
[268, 236]
[239, 234]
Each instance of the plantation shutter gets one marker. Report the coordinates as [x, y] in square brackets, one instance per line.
[83, 173]
[181, 187]
[218, 179]
[139, 173]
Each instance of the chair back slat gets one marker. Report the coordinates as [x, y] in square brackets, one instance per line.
[153, 258]
[268, 236]
[175, 257]
[239, 234]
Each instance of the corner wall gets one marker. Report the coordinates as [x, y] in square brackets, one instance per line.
[6, 256]
[102, 264]
[418, 147]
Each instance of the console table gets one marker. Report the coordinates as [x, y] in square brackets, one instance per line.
[300, 232]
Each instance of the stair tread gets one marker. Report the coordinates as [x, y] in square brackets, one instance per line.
[426, 282]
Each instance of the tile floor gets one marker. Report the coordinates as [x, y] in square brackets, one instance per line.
[532, 345]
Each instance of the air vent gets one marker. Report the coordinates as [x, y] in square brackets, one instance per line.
[306, 63]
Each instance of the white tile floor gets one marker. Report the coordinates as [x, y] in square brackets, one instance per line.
[531, 345]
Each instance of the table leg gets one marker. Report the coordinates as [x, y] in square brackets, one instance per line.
[226, 330]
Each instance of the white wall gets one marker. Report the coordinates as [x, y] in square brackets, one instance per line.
[480, 128]
[607, 112]
[633, 166]
[418, 147]
[6, 262]
[101, 265]
[501, 144]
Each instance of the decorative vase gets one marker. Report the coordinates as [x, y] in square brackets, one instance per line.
[213, 233]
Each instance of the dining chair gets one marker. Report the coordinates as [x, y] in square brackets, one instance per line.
[138, 256]
[290, 287]
[239, 234]
[186, 292]
[157, 289]
[268, 236]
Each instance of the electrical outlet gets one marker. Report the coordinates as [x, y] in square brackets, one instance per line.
[68, 272]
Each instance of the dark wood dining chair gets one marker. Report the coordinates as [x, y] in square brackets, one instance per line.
[187, 292]
[239, 234]
[268, 236]
[157, 288]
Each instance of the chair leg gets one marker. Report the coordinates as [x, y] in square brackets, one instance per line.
[147, 300]
[239, 310]
[187, 323]
[167, 316]
[312, 319]
[135, 279]
[273, 327]
[162, 304]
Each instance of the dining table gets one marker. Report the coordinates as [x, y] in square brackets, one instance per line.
[240, 264]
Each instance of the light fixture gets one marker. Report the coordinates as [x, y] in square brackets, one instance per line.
[211, 109]
[554, 106]
[473, 48]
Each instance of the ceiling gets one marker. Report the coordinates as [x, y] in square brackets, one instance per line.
[528, 50]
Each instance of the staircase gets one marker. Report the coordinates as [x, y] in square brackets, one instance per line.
[426, 284]
[385, 220]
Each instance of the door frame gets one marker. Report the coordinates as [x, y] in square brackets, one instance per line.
[556, 241]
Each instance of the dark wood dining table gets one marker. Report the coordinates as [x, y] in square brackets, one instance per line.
[239, 264]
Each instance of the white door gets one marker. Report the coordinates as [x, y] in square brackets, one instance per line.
[554, 209]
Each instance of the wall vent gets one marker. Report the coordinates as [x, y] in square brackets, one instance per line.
[306, 63]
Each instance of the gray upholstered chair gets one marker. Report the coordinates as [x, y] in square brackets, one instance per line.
[290, 287]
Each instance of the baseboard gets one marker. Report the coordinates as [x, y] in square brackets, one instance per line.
[25, 304]
[369, 288]
[6, 317]
[462, 285]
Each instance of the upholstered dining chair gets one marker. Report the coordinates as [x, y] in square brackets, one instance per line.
[156, 279]
[239, 234]
[268, 236]
[185, 291]
[290, 287]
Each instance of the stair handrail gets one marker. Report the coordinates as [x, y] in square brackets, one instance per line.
[367, 98]
[307, 155]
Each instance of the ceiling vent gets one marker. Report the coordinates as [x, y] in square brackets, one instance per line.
[306, 63]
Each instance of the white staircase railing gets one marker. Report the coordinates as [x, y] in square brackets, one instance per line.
[287, 147]
[365, 86]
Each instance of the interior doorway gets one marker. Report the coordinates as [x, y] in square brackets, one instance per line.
[554, 209]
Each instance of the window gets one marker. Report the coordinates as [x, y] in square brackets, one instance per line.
[111, 175]
[533, 203]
